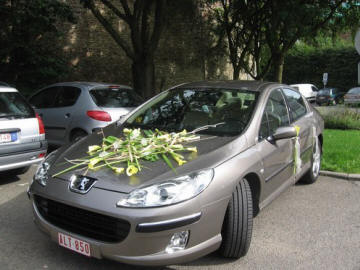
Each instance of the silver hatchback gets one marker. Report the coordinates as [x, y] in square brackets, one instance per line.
[22, 135]
[73, 110]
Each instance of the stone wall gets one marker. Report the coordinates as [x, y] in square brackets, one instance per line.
[184, 53]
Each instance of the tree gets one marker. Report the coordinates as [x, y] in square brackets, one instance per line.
[27, 29]
[288, 21]
[145, 22]
[254, 27]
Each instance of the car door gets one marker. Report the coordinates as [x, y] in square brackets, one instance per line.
[300, 116]
[55, 106]
[44, 104]
[276, 156]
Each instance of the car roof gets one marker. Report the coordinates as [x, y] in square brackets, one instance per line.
[245, 85]
[88, 85]
[7, 89]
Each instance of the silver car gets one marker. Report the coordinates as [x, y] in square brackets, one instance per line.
[73, 110]
[22, 135]
[246, 142]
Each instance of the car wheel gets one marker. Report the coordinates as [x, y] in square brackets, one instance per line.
[237, 227]
[77, 135]
[313, 173]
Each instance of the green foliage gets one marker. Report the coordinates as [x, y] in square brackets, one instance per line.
[346, 119]
[340, 151]
[29, 37]
[306, 65]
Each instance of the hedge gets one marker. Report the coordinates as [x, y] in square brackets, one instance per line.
[307, 66]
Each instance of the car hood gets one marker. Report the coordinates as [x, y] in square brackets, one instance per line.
[211, 151]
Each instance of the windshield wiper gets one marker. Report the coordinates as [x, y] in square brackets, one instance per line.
[206, 127]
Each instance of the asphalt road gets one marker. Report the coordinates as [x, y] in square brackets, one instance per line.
[307, 227]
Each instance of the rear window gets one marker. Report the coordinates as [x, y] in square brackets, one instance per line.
[324, 92]
[111, 97]
[354, 91]
[13, 106]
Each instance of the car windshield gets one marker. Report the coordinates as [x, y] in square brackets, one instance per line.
[324, 92]
[13, 106]
[222, 112]
[354, 91]
[115, 97]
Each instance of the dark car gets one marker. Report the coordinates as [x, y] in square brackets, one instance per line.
[330, 96]
[201, 160]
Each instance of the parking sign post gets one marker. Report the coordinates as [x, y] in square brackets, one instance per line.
[325, 78]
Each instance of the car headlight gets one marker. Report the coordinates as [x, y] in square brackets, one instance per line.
[41, 174]
[169, 192]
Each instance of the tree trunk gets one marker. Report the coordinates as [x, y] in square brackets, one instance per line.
[143, 71]
[278, 60]
[236, 72]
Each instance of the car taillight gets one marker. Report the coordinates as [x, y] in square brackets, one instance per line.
[99, 115]
[41, 124]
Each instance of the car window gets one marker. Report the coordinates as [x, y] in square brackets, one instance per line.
[275, 114]
[296, 104]
[115, 97]
[13, 105]
[354, 90]
[314, 88]
[46, 98]
[227, 110]
[67, 96]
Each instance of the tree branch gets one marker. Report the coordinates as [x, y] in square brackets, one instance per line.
[109, 28]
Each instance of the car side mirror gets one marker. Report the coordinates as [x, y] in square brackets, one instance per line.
[283, 133]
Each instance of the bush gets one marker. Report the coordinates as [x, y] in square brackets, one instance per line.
[345, 119]
[305, 65]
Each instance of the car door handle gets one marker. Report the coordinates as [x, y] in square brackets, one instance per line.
[67, 115]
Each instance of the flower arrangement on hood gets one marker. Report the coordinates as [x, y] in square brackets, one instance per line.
[124, 155]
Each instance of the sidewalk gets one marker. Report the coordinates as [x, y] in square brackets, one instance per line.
[346, 176]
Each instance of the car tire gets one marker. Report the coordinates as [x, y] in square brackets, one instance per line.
[78, 135]
[313, 173]
[237, 227]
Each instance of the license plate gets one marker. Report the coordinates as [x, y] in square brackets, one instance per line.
[74, 244]
[8, 137]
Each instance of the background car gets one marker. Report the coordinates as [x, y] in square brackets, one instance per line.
[309, 91]
[352, 97]
[330, 96]
[248, 141]
[22, 135]
[73, 110]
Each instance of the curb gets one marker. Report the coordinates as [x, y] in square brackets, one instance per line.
[346, 176]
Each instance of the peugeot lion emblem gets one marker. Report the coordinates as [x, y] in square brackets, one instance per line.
[81, 184]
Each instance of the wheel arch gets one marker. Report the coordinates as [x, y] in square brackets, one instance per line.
[255, 187]
[74, 130]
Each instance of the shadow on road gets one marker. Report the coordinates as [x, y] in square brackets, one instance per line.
[8, 177]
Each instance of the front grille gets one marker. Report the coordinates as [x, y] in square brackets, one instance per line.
[83, 222]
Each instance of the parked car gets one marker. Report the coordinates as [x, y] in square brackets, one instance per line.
[352, 97]
[255, 140]
[309, 91]
[73, 110]
[22, 135]
[330, 96]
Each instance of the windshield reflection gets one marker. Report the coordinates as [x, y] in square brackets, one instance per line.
[191, 109]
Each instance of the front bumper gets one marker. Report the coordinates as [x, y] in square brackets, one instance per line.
[150, 231]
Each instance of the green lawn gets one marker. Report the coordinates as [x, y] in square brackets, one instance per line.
[341, 151]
